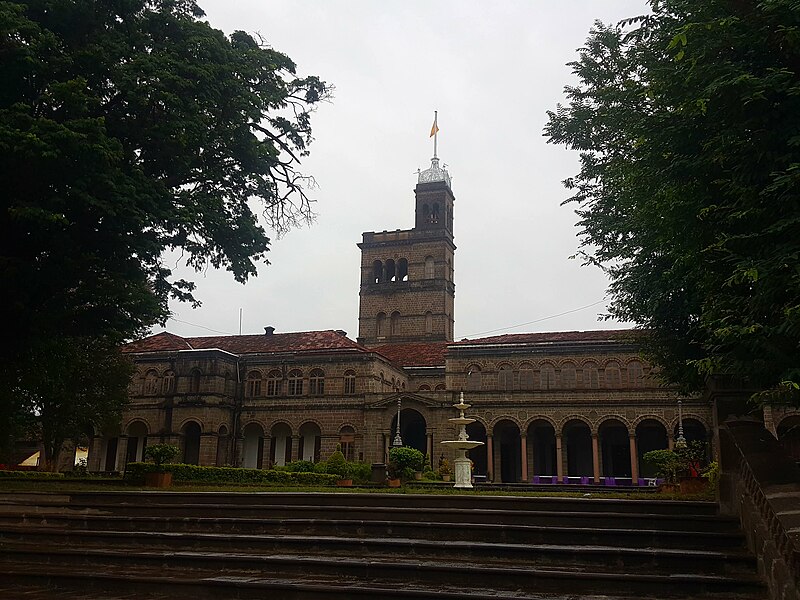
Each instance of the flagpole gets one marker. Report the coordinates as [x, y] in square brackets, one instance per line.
[436, 130]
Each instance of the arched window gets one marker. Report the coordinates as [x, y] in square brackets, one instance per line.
[548, 374]
[377, 272]
[391, 274]
[429, 268]
[380, 325]
[424, 388]
[505, 378]
[426, 213]
[440, 387]
[194, 381]
[612, 374]
[274, 383]
[474, 380]
[347, 441]
[435, 213]
[402, 270]
[316, 382]
[429, 322]
[394, 324]
[253, 386]
[591, 378]
[568, 377]
[525, 377]
[635, 373]
[295, 383]
[168, 385]
[150, 383]
[349, 382]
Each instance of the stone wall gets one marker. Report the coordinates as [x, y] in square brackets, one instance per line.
[761, 485]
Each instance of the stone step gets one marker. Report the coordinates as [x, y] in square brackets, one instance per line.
[390, 573]
[591, 519]
[355, 528]
[607, 558]
[383, 500]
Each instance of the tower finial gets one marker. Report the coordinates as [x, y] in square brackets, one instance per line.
[435, 131]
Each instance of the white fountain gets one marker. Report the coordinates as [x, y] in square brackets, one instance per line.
[461, 445]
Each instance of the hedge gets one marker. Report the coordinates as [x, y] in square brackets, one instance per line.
[192, 473]
[30, 475]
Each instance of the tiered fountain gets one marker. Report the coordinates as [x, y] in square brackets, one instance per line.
[461, 445]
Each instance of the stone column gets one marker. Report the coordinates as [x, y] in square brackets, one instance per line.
[489, 457]
[386, 445]
[634, 459]
[95, 453]
[523, 447]
[208, 449]
[559, 459]
[670, 441]
[429, 446]
[596, 457]
[122, 454]
[294, 449]
[265, 457]
[236, 460]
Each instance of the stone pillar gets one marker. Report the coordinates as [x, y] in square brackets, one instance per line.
[265, 457]
[208, 449]
[295, 449]
[95, 453]
[429, 446]
[670, 441]
[122, 454]
[559, 459]
[532, 458]
[236, 460]
[596, 457]
[489, 457]
[634, 459]
[386, 445]
[769, 422]
[523, 447]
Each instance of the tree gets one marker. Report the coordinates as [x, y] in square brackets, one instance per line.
[129, 128]
[687, 124]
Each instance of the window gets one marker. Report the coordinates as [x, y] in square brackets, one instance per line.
[274, 383]
[377, 272]
[590, 375]
[295, 383]
[347, 441]
[394, 324]
[402, 270]
[194, 381]
[429, 267]
[150, 383]
[548, 374]
[635, 373]
[612, 374]
[440, 387]
[505, 378]
[168, 386]
[380, 325]
[474, 380]
[429, 322]
[435, 213]
[526, 377]
[424, 388]
[568, 377]
[349, 382]
[316, 382]
[391, 274]
[253, 386]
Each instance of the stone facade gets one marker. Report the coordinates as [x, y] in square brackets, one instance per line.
[582, 405]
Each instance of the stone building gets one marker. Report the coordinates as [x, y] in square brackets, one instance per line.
[564, 404]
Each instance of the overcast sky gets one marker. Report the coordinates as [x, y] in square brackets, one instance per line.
[492, 70]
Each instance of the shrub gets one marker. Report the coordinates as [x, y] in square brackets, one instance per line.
[30, 475]
[300, 466]
[666, 463]
[407, 458]
[361, 471]
[337, 465]
[444, 467]
[161, 454]
[192, 473]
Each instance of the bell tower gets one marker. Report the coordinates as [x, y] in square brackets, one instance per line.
[407, 291]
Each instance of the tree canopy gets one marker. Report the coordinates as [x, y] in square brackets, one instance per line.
[129, 128]
[687, 121]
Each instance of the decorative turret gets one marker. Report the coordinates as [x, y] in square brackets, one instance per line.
[435, 173]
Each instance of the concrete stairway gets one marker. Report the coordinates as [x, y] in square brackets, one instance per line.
[285, 545]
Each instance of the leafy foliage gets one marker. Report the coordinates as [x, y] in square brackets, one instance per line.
[30, 475]
[128, 129]
[406, 461]
[686, 122]
[135, 472]
[161, 453]
[338, 465]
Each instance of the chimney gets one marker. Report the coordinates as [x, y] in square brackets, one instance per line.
[269, 330]
[341, 332]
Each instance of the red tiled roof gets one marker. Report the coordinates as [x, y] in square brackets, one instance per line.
[415, 354]
[304, 341]
[556, 336]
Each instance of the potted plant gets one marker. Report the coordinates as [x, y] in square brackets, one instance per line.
[160, 454]
[692, 458]
[445, 470]
[393, 472]
[408, 460]
[337, 465]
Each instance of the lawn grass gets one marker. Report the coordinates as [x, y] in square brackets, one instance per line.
[66, 486]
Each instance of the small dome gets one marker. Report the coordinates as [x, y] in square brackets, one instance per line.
[435, 173]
